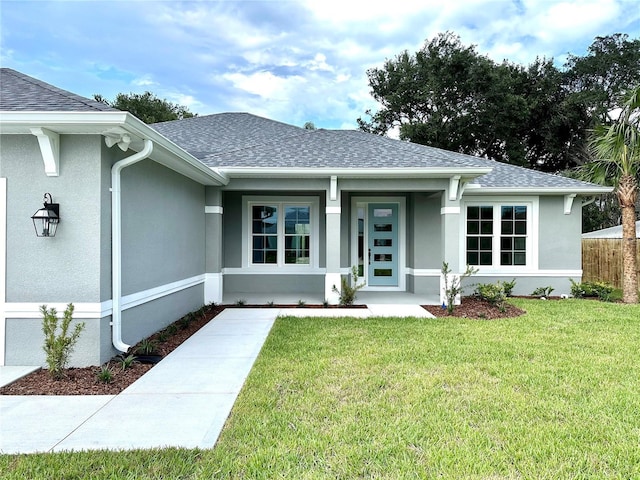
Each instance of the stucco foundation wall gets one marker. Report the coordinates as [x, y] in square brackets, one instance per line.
[144, 320]
[423, 285]
[163, 227]
[71, 272]
[24, 341]
[273, 284]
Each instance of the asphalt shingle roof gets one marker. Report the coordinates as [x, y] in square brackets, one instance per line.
[19, 92]
[245, 140]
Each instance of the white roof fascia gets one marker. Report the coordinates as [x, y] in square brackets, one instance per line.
[107, 123]
[284, 172]
[479, 190]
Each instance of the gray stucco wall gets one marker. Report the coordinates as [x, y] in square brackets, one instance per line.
[425, 250]
[65, 268]
[163, 227]
[560, 235]
[24, 341]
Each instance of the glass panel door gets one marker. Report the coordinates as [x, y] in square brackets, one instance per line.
[383, 244]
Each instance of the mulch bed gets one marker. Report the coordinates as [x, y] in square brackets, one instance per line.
[84, 381]
[474, 307]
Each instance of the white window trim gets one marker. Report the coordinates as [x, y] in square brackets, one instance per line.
[533, 221]
[402, 239]
[314, 249]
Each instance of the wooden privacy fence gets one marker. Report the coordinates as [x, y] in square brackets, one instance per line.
[602, 260]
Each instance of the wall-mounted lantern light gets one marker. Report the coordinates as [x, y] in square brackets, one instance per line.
[46, 219]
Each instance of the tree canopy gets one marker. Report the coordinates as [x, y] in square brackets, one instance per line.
[448, 95]
[147, 107]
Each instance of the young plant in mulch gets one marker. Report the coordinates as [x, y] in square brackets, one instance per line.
[105, 375]
[58, 341]
[453, 284]
[126, 361]
[347, 292]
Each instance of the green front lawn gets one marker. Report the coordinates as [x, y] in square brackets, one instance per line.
[552, 394]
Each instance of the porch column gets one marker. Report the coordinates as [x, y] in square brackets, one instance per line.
[451, 239]
[333, 212]
[213, 245]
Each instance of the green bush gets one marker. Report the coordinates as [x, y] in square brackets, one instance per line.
[601, 290]
[58, 346]
[494, 293]
[542, 291]
[347, 292]
[508, 287]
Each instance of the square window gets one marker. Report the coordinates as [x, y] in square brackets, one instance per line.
[486, 258]
[521, 228]
[473, 213]
[519, 259]
[473, 228]
[520, 243]
[472, 243]
[486, 243]
[505, 258]
[486, 213]
[486, 227]
[472, 258]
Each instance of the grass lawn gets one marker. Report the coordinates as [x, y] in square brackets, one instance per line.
[552, 394]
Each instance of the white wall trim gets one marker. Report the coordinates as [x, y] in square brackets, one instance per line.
[424, 272]
[103, 309]
[272, 270]
[449, 210]
[337, 210]
[3, 265]
[213, 209]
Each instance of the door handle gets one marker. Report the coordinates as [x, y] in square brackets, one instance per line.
[369, 255]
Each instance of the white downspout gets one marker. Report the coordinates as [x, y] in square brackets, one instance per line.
[116, 244]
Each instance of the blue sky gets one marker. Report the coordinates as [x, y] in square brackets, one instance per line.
[293, 61]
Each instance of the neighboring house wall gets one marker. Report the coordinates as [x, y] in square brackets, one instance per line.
[52, 271]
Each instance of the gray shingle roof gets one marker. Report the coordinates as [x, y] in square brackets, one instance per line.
[20, 92]
[245, 140]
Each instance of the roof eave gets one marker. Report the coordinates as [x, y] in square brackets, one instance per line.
[466, 173]
[479, 190]
[113, 123]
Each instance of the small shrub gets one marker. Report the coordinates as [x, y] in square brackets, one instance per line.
[302, 304]
[146, 347]
[171, 329]
[453, 286]
[270, 303]
[542, 291]
[105, 375]
[59, 346]
[508, 287]
[163, 336]
[241, 302]
[493, 293]
[126, 361]
[347, 294]
[601, 290]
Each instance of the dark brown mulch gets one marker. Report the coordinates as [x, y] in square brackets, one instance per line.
[84, 381]
[474, 307]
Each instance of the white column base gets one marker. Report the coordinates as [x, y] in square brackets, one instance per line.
[331, 279]
[213, 288]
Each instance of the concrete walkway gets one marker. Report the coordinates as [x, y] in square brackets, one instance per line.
[183, 401]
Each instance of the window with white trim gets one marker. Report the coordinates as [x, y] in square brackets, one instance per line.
[281, 233]
[498, 235]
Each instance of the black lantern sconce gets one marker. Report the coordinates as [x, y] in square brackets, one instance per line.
[46, 219]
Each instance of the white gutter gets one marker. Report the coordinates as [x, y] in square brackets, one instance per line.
[319, 172]
[116, 243]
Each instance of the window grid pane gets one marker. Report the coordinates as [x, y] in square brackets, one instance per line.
[264, 229]
[479, 235]
[513, 240]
